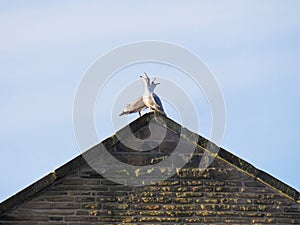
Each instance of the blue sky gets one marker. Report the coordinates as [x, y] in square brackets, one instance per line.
[252, 47]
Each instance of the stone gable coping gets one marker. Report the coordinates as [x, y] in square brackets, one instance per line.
[242, 165]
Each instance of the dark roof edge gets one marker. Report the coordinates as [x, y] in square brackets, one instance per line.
[27, 193]
[260, 175]
[234, 160]
[39, 185]
[30, 191]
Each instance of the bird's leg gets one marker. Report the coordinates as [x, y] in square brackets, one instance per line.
[140, 114]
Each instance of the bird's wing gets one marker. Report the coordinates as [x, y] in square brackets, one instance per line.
[136, 106]
[158, 101]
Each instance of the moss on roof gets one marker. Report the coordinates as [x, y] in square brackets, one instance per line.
[174, 127]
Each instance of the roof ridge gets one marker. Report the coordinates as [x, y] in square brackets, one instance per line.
[28, 192]
[237, 162]
[41, 184]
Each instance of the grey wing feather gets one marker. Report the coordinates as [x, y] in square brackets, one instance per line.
[158, 102]
[136, 106]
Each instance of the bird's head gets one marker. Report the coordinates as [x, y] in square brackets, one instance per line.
[146, 78]
[153, 85]
[153, 82]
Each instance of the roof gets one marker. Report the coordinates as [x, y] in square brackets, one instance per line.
[242, 165]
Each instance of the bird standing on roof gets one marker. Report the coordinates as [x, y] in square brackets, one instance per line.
[150, 99]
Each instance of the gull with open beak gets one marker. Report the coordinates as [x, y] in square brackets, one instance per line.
[148, 100]
[151, 100]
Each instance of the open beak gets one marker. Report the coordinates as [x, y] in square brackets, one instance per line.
[146, 76]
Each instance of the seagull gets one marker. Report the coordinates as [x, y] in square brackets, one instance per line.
[150, 99]
[141, 103]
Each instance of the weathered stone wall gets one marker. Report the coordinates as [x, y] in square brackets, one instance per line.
[220, 194]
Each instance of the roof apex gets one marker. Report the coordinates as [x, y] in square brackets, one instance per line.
[242, 165]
